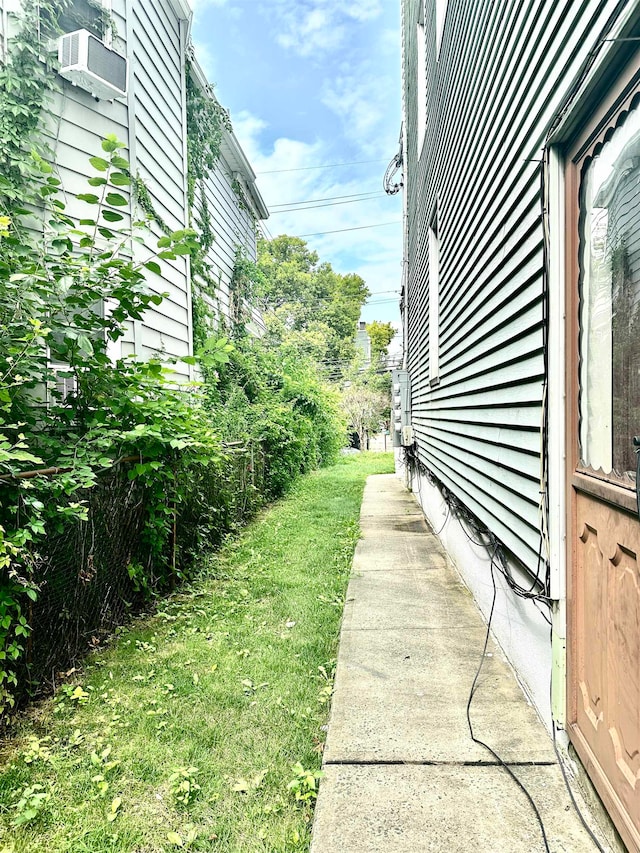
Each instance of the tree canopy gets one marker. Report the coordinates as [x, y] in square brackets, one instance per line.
[380, 335]
[308, 305]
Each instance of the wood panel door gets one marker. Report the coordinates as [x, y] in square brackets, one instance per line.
[603, 334]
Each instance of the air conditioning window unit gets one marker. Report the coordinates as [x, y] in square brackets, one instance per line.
[89, 64]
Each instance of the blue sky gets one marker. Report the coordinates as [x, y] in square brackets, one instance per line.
[310, 83]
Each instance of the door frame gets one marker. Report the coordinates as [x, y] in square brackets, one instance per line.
[610, 58]
[623, 91]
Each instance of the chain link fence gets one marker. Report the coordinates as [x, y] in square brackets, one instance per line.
[94, 574]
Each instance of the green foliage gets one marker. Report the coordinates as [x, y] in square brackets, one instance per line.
[245, 280]
[207, 121]
[380, 335]
[183, 785]
[31, 802]
[304, 785]
[68, 289]
[266, 395]
[365, 408]
[311, 309]
[169, 692]
[26, 82]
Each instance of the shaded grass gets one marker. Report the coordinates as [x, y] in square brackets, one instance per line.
[230, 680]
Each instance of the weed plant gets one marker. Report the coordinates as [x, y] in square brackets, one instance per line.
[201, 727]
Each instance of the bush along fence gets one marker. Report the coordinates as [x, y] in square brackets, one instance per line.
[93, 572]
[90, 534]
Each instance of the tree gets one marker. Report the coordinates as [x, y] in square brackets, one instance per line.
[380, 335]
[364, 408]
[308, 304]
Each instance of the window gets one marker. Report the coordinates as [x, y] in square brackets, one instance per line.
[609, 283]
[91, 15]
[434, 302]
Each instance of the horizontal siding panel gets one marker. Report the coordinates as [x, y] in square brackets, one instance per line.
[499, 436]
[521, 538]
[505, 465]
[521, 419]
[159, 159]
[506, 482]
[503, 345]
[503, 71]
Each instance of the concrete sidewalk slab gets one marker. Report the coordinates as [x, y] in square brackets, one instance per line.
[411, 809]
[402, 772]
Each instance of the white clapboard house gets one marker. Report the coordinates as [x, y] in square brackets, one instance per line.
[521, 313]
[124, 72]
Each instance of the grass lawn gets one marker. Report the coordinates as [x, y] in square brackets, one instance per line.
[184, 733]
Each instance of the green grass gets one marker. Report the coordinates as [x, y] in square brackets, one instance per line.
[231, 676]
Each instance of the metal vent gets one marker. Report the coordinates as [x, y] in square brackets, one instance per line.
[71, 49]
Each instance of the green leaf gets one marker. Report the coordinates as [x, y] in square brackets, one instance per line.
[90, 198]
[84, 345]
[97, 182]
[116, 200]
[106, 233]
[112, 216]
[174, 838]
[167, 256]
[119, 162]
[99, 163]
[90, 222]
[164, 242]
[109, 144]
[152, 266]
[119, 179]
[189, 359]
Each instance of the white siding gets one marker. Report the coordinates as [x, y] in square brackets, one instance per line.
[233, 227]
[157, 121]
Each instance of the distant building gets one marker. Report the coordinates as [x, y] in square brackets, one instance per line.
[363, 344]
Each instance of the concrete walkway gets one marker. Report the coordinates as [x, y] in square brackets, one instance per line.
[402, 773]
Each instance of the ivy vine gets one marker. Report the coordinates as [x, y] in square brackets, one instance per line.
[207, 121]
[242, 287]
[26, 84]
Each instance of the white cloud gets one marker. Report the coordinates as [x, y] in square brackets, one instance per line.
[355, 99]
[320, 26]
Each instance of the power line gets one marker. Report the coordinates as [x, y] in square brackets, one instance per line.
[357, 228]
[327, 166]
[325, 198]
[329, 204]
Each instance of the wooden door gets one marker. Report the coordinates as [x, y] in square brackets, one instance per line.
[603, 334]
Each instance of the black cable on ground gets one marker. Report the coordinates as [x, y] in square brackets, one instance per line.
[477, 740]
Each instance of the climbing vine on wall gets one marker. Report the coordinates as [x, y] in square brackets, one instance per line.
[206, 122]
[26, 83]
[242, 287]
